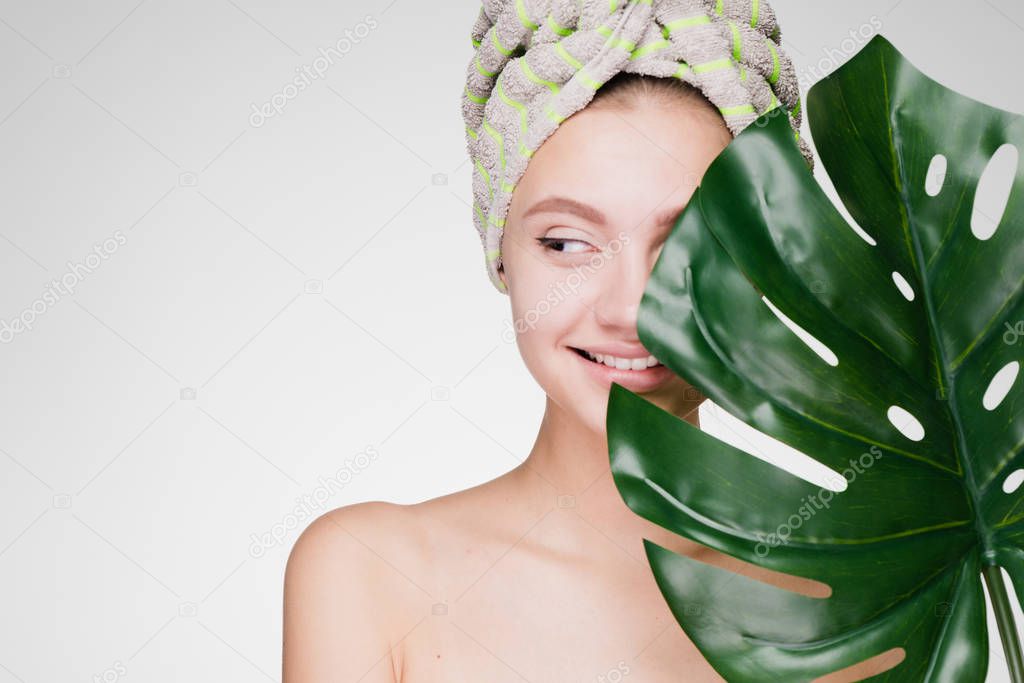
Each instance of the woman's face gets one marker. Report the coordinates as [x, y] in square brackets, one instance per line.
[585, 226]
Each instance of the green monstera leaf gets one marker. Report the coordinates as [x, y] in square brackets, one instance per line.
[918, 333]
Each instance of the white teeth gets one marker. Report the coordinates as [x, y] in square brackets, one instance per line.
[624, 363]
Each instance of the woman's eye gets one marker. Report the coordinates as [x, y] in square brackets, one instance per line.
[559, 244]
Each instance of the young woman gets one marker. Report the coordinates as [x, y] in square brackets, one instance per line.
[538, 575]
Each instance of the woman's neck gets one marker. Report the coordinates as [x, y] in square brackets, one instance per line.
[569, 455]
[569, 461]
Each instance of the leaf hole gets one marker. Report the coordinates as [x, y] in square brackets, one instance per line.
[830, 191]
[936, 175]
[993, 191]
[906, 423]
[822, 351]
[723, 425]
[1013, 482]
[901, 283]
[869, 667]
[1000, 385]
[812, 588]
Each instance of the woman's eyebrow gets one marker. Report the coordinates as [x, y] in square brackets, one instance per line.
[567, 205]
[669, 217]
[589, 213]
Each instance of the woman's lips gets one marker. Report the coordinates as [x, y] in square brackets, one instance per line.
[637, 381]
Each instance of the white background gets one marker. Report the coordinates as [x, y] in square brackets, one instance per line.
[287, 296]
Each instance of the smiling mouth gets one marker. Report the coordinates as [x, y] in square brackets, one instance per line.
[634, 364]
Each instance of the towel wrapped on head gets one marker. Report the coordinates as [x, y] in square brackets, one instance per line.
[537, 62]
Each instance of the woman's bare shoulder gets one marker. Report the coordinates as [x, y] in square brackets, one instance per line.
[360, 537]
[361, 578]
[346, 582]
[354, 539]
[385, 517]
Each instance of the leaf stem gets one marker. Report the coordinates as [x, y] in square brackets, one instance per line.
[1004, 619]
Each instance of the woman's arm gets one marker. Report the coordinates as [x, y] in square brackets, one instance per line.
[334, 622]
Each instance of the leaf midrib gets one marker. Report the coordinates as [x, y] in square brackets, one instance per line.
[946, 381]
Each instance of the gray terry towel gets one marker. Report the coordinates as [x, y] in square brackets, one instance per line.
[537, 62]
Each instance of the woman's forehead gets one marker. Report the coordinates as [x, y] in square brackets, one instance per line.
[612, 145]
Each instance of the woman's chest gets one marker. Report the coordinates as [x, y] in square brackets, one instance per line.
[550, 626]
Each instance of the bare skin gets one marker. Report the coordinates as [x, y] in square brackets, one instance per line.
[539, 574]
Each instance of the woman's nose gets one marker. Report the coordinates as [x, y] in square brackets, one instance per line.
[621, 286]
